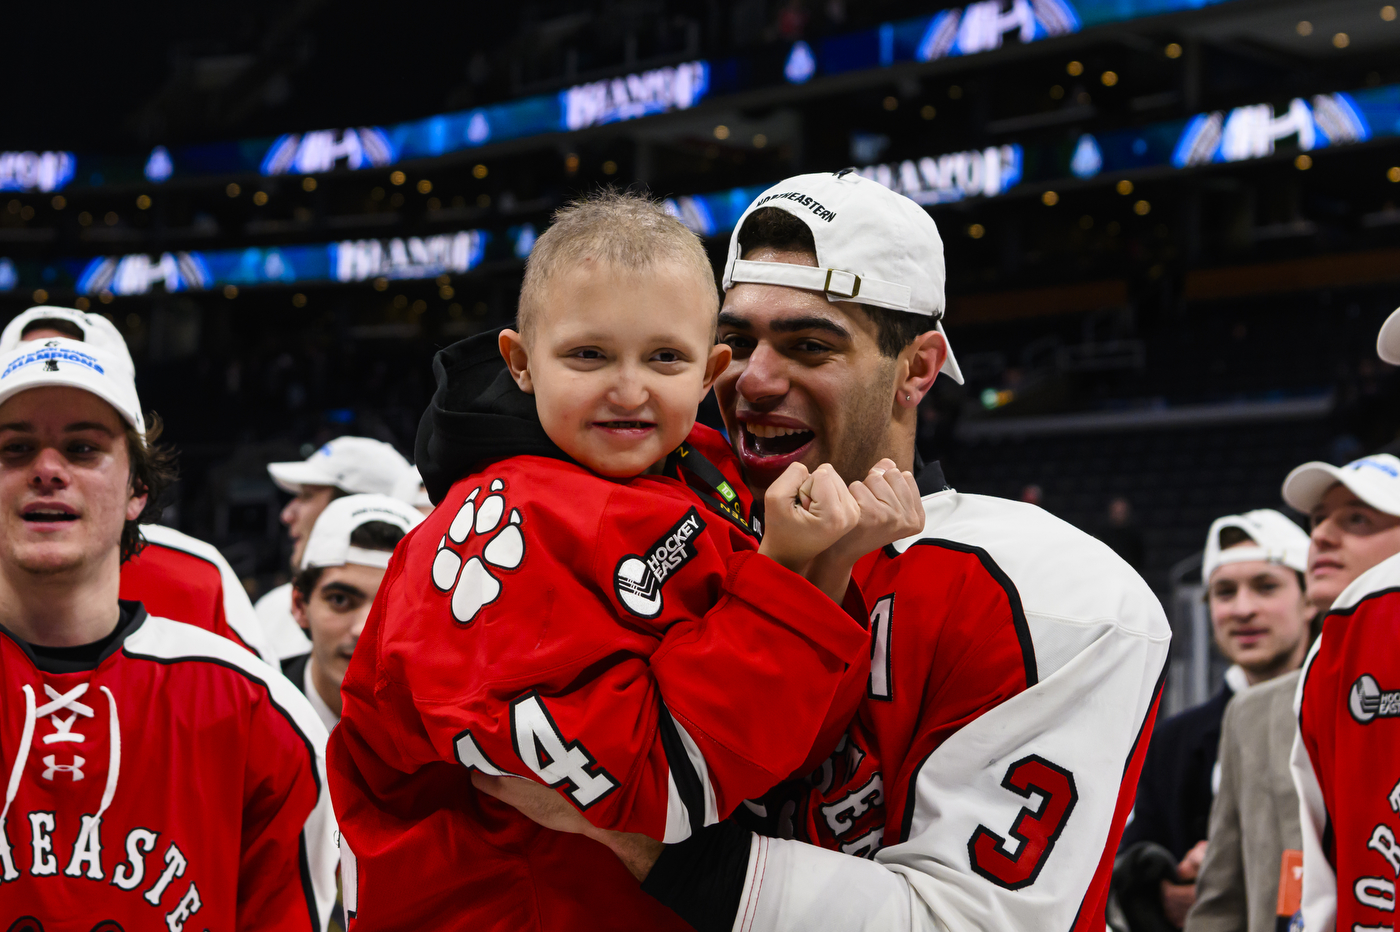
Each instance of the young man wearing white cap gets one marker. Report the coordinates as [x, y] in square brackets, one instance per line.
[1253, 571]
[342, 565]
[344, 466]
[168, 831]
[1016, 662]
[173, 574]
[1346, 761]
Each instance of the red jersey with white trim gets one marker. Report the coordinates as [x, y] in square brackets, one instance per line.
[619, 640]
[179, 576]
[1015, 675]
[173, 782]
[1346, 762]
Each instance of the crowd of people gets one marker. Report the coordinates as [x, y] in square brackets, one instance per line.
[584, 663]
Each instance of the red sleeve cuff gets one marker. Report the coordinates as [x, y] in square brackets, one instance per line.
[794, 602]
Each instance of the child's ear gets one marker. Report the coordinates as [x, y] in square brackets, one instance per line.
[720, 355]
[517, 359]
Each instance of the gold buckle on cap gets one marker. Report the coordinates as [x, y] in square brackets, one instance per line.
[855, 289]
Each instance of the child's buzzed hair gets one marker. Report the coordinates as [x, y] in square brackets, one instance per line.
[628, 231]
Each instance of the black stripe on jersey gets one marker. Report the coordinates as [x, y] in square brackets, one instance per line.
[307, 887]
[688, 783]
[1156, 694]
[171, 661]
[1013, 598]
[1363, 600]
[190, 553]
[132, 617]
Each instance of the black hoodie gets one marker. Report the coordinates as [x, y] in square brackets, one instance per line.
[478, 415]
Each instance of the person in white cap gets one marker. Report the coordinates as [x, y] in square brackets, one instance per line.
[172, 574]
[154, 772]
[411, 490]
[49, 321]
[1016, 662]
[1346, 761]
[343, 466]
[1253, 571]
[342, 565]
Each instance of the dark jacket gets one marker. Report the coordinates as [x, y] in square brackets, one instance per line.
[1174, 793]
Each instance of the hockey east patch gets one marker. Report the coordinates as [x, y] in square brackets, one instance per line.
[639, 577]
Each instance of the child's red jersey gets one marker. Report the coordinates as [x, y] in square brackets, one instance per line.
[621, 641]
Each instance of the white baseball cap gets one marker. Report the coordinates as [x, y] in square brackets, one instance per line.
[1373, 479]
[410, 489]
[72, 364]
[873, 247]
[1388, 340]
[353, 464]
[1276, 538]
[329, 542]
[97, 330]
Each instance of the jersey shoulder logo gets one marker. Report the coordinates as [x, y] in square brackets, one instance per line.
[471, 581]
[1368, 701]
[639, 577]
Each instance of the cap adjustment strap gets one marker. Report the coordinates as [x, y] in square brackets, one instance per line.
[836, 284]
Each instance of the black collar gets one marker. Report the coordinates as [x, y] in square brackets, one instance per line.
[84, 656]
[929, 476]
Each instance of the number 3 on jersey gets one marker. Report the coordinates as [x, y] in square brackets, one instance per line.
[1036, 829]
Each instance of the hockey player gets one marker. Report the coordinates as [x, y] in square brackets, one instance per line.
[589, 607]
[342, 566]
[173, 574]
[1253, 571]
[344, 466]
[156, 775]
[1346, 761]
[1016, 661]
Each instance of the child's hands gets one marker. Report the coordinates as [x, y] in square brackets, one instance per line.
[805, 513]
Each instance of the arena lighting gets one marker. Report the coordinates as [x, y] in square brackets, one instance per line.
[409, 257]
[1254, 131]
[635, 95]
[970, 29]
[324, 150]
[36, 171]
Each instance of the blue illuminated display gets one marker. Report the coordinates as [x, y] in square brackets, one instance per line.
[1221, 137]
[969, 29]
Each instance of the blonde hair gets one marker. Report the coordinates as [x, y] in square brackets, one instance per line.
[626, 231]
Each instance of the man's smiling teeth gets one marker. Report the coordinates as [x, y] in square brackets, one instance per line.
[768, 431]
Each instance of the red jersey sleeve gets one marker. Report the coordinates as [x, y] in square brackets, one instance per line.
[287, 822]
[616, 641]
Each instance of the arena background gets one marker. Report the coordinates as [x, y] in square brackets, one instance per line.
[1171, 225]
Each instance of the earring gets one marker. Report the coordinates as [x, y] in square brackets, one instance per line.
[908, 397]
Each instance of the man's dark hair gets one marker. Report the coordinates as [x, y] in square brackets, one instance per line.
[65, 327]
[775, 228]
[1233, 536]
[372, 535]
[153, 470]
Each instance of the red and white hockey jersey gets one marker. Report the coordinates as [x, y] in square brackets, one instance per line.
[179, 576]
[618, 640]
[1016, 670]
[1346, 761]
[172, 782]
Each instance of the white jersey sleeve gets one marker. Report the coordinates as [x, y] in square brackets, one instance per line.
[238, 608]
[280, 631]
[1319, 880]
[1077, 730]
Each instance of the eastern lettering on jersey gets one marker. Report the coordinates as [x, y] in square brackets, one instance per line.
[639, 577]
[1368, 701]
[472, 582]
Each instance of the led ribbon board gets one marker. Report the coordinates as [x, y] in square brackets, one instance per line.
[969, 29]
[409, 257]
[1219, 137]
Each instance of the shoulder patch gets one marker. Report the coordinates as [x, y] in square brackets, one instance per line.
[639, 577]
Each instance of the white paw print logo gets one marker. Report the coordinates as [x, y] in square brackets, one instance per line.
[472, 585]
